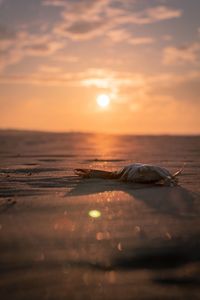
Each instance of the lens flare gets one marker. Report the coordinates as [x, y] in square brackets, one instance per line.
[94, 214]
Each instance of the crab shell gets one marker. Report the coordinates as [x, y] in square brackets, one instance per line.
[138, 173]
[143, 173]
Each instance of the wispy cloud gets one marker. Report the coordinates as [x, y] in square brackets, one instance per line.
[123, 35]
[112, 81]
[142, 41]
[100, 78]
[180, 55]
[158, 13]
[82, 29]
[14, 48]
[118, 35]
[54, 2]
[88, 19]
[6, 33]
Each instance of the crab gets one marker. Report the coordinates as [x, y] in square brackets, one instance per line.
[137, 173]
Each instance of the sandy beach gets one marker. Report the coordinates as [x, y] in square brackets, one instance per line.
[62, 237]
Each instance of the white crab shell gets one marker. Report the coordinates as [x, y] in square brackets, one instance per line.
[143, 173]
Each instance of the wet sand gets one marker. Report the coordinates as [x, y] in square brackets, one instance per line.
[66, 238]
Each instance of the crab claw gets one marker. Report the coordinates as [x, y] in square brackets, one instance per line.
[85, 173]
[92, 173]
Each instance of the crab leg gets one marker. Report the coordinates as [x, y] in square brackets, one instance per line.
[91, 173]
[178, 172]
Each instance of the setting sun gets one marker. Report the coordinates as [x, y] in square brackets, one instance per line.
[103, 100]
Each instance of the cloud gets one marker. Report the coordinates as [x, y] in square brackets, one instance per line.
[146, 16]
[167, 37]
[100, 78]
[14, 48]
[43, 48]
[77, 7]
[83, 19]
[142, 41]
[118, 35]
[54, 2]
[63, 58]
[123, 35]
[6, 33]
[80, 20]
[39, 78]
[9, 58]
[160, 13]
[88, 19]
[81, 30]
[180, 55]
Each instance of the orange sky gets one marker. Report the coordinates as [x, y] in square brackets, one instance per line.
[59, 56]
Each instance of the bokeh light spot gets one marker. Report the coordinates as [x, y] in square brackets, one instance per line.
[94, 213]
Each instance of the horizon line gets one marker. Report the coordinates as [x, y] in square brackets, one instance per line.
[97, 132]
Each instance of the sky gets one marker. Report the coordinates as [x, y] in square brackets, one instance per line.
[58, 56]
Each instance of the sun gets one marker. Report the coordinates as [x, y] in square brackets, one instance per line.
[103, 100]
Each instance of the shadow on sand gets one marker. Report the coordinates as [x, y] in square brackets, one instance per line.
[175, 201]
[155, 255]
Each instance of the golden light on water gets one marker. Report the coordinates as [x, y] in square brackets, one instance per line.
[103, 100]
[94, 214]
